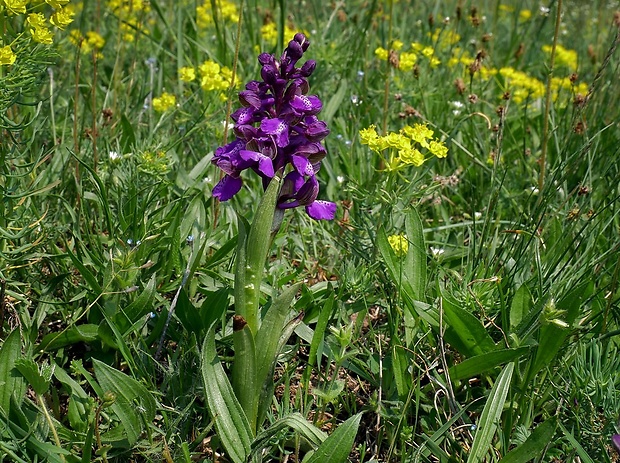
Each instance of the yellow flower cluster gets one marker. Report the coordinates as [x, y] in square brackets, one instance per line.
[563, 56]
[164, 102]
[37, 24]
[154, 162]
[131, 14]
[409, 147]
[6, 55]
[444, 38]
[15, 7]
[225, 9]
[399, 244]
[87, 43]
[407, 59]
[38, 28]
[187, 74]
[269, 32]
[521, 85]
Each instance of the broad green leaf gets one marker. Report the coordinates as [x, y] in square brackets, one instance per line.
[480, 363]
[401, 361]
[244, 373]
[521, 305]
[80, 403]
[231, 423]
[269, 342]
[271, 329]
[464, 331]
[74, 334]
[134, 404]
[312, 435]
[214, 306]
[534, 445]
[188, 314]
[337, 447]
[414, 267]
[12, 383]
[491, 414]
[39, 380]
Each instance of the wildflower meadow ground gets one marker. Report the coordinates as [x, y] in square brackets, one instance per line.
[318, 231]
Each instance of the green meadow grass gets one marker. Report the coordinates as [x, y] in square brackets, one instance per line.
[488, 333]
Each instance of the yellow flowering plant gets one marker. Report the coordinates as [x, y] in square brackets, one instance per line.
[26, 49]
[411, 146]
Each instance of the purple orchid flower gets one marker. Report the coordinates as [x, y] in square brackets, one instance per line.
[615, 440]
[277, 130]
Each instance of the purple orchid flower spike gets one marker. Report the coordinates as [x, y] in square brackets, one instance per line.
[277, 130]
[615, 440]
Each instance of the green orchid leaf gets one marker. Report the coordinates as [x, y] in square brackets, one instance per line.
[231, 423]
[491, 414]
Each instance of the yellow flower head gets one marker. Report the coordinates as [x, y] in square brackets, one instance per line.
[15, 6]
[269, 32]
[407, 61]
[410, 156]
[95, 40]
[187, 74]
[164, 102]
[370, 137]
[225, 9]
[62, 18]
[399, 244]
[36, 20]
[419, 133]
[438, 148]
[6, 56]
[381, 53]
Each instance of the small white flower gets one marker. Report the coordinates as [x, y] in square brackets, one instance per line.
[544, 10]
[477, 215]
[340, 179]
[114, 156]
[436, 252]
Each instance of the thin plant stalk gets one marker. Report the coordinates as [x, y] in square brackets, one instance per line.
[545, 134]
[229, 102]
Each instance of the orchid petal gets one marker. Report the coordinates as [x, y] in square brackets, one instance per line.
[227, 188]
[321, 210]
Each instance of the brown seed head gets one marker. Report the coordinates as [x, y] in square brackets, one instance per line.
[460, 86]
[520, 51]
[393, 59]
